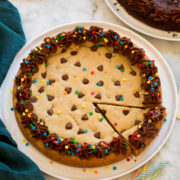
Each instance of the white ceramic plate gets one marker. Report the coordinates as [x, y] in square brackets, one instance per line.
[140, 26]
[123, 167]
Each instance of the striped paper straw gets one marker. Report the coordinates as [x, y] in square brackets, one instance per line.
[156, 173]
[153, 170]
[144, 170]
[136, 174]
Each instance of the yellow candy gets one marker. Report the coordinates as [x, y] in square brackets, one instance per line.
[84, 37]
[22, 79]
[92, 170]
[107, 168]
[105, 40]
[23, 113]
[37, 97]
[94, 147]
[99, 117]
[23, 140]
[148, 82]
[59, 112]
[41, 123]
[11, 91]
[156, 74]
[132, 52]
[83, 106]
[66, 147]
[139, 126]
[124, 79]
[26, 110]
[42, 80]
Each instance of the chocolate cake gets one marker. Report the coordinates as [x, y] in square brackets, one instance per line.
[161, 14]
[88, 98]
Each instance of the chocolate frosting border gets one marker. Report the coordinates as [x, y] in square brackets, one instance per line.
[79, 35]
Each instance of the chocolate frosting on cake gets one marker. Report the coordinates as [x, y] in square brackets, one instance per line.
[161, 14]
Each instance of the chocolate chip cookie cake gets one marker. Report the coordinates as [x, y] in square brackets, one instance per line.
[161, 14]
[88, 97]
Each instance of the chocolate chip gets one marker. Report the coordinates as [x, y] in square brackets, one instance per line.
[50, 98]
[118, 97]
[100, 68]
[108, 55]
[137, 95]
[41, 90]
[63, 60]
[51, 81]
[85, 117]
[136, 122]
[97, 110]
[68, 90]
[117, 83]
[73, 53]
[133, 72]
[98, 96]
[78, 64]
[68, 126]
[63, 50]
[85, 81]
[125, 112]
[65, 77]
[100, 83]
[73, 108]
[50, 112]
[94, 48]
[103, 111]
[80, 131]
[43, 75]
[97, 135]
[33, 99]
[80, 95]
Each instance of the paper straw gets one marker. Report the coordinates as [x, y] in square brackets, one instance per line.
[156, 173]
[153, 170]
[136, 174]
[144, 170]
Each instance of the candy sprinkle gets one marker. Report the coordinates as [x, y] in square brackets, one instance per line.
[50, 162]
[12, 109]
[83, 106]
[11, 91]
[84, 170]
[165, 120]
[114, 168]
[59, 112]
[27, 144]
[92, 170]
[124, 79]
[95, 172]
[23, 140]
[107, 168]
[90, 113]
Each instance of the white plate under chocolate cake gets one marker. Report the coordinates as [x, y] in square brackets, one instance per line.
[88, 98]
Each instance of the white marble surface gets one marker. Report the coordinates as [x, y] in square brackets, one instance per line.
[40, 15]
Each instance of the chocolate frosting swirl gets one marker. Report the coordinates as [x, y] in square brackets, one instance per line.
[175, 15]
[24, 80]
